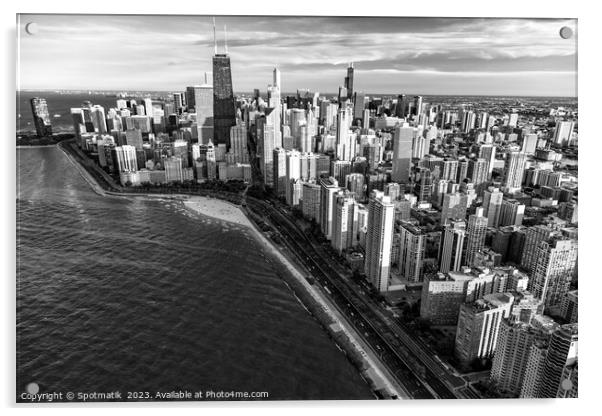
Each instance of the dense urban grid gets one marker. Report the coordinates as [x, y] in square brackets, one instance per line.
[456, 221]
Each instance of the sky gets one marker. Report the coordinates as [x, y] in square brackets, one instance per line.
[455, 56]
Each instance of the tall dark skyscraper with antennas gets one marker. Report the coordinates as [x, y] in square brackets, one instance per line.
[224, 112]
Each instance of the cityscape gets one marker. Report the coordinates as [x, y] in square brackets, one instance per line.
[434, 238]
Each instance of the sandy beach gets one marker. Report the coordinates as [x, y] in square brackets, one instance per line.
[217, 209]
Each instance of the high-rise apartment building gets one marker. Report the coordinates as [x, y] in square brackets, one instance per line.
[554, 267]
[476, 231]
[412, 247]
[381, 216]
[478, 326]
[452, 246]
[514, 169]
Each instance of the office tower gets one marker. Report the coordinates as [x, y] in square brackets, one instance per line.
[462, 170]
[274, 102]
[349, 81]
[279, 175]
[417, 105]
[381, 216]
[452, 246]
[476, 231]
[304, 140]
[173, 169]
[468, 121]
[340, 169]
[179, 149]
[238, 143]
[478, 174]
[533, 236]
[224, 113]
[514, 168]
[562, 352]
[492, 203]
[450, 170]
[330, 187]
[569, 306]
[366, 119]
[342, 224]
[453, 207]
[265, 147]
[478, 326]
[402, 154]
[510, 362]
[412, 246]
[356, 183]
[554, 267]
[393, 191]
[529, 144]
[487, 152]
[358, 105]
[424, 188]
[373, 154]
[98, 119]
[41, 117]
[400, 108]
[563, 132]
[126, 158]
[203, 107]
[419, 146]
[293, 172]
[310, 201]
[345, 144]
[511, 213]
[134, 138]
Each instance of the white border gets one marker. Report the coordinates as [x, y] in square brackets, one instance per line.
[589, 97]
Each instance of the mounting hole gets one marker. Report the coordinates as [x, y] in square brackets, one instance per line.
[566, 32]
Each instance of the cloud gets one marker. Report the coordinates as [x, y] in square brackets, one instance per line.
[170, 52]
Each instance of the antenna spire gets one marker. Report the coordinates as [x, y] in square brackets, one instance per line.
[214, 38]
[225, 40]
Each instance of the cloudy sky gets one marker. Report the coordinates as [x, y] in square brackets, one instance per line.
[391, 55]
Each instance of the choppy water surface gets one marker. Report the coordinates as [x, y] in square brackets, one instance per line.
[142, 295]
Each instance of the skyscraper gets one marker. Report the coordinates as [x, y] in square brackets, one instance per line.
[554, 267]
[203, 107]
[381, 216]
[563, 132]
[510, 362]
[342, 227]
[349, 81]
[412, 247]
[514, 168]
[224, 113]
[330, 187]
[492, 203]
[533, 236]
[41, 117]
[452, 246]
[476, 231]
[453, 207]
[562, 352]
[478, 326]
[402, 153]
[274, 102]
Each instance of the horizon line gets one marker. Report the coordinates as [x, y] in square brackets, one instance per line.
[321, 93]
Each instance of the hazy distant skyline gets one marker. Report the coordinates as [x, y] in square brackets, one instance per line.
[391, 55]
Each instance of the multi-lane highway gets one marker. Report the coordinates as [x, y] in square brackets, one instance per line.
[409, 360]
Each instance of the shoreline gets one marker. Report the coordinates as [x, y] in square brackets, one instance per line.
[314, 300]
